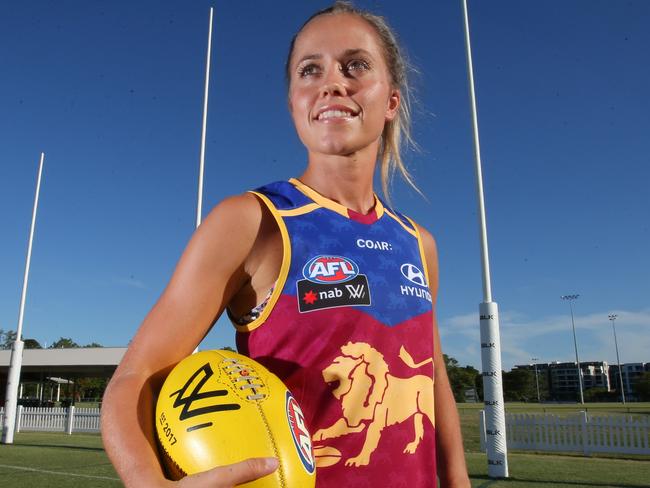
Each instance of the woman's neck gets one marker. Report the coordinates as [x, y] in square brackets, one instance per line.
[348, 180]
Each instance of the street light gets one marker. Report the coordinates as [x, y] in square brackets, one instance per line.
[536, 378]
[612, 317]
[570, 299]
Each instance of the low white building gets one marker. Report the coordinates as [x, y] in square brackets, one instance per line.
[55, 367]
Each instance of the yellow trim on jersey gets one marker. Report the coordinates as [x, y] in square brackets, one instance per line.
[413, 232]
[319, 199]
[422, 255]
[330, 204]
[379, 207]
[426, 273]
[284, 268]
[299, 211]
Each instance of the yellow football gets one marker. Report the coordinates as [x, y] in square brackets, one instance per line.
[219, 407]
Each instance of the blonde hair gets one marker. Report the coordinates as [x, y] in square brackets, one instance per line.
[397, 132]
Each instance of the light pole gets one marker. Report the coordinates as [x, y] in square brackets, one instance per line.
[612, 317]
[536, 378]
[570, 299]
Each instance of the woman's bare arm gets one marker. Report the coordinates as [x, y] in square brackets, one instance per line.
[452, 469]
[209, 273]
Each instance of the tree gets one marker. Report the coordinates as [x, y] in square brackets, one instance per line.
[63, 343]
[91, 387]
[600, 395]
[478, 384]
[519, 385]
[7, 338]
[460, 378]
[32, 344]
[642, 387]
[93, 344]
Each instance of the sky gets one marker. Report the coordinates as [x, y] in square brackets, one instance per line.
[112, 92]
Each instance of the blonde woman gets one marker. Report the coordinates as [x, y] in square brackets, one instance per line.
[326, 285]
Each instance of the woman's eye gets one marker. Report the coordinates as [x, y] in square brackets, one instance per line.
[308, 70]
[357, 65]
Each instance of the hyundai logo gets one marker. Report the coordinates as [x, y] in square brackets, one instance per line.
[412, 273]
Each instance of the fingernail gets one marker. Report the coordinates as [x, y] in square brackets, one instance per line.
[272, 463]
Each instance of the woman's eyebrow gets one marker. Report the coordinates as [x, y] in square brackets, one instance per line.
[309, 57]
[346, 53]
[354, 52]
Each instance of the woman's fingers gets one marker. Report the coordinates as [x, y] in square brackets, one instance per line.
[231, 475]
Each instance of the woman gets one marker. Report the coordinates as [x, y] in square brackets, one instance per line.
[326, 286]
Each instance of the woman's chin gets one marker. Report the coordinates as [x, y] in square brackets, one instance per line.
[337, 148]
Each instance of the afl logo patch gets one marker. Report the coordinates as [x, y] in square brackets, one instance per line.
[301, 437]
[330, 269]
[412, 273]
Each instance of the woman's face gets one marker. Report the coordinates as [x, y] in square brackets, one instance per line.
[340, 93]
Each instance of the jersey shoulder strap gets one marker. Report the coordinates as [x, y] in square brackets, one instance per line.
[283, 195]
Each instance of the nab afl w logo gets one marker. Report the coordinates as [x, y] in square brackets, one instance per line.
[330, 282]
[412, 273]
[301, 437]
[330, 269]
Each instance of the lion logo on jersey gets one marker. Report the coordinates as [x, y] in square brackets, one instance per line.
[373, 399]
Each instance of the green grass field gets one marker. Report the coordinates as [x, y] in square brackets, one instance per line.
[53, 460]
[56, 460]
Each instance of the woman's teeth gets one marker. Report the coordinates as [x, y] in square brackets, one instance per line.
[331, 114]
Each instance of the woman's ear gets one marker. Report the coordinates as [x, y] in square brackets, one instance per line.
[393, 104]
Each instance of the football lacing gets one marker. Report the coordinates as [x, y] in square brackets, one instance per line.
[252, 382]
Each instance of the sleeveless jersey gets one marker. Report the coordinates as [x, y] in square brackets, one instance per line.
[349, 329]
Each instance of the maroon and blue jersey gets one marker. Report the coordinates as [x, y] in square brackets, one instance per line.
[349, 329]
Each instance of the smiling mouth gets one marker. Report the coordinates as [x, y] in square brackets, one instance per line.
[330, 115]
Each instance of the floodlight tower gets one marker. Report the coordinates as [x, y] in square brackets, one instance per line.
[536, 378]
[570, 298]
[495, 420]
[612, 318]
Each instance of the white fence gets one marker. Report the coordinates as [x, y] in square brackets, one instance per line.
[56, 419]
[576, 432]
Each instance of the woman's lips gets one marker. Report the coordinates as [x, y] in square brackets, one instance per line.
[333, 113]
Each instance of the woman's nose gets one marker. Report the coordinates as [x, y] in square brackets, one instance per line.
[334, 84]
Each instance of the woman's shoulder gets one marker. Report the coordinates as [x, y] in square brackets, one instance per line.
[244, 215]
[234, 218]
[244, 206]
[251, 205]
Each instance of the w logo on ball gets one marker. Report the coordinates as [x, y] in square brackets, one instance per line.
[412, 273]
